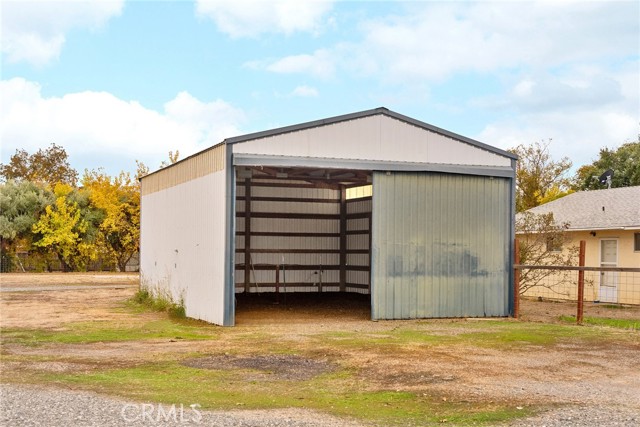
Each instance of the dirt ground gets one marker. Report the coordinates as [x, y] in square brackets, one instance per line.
[562, 374]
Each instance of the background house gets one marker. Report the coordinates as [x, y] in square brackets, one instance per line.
[377, 203]
[609, 221]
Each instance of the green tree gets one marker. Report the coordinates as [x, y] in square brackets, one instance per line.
[67, 229]
[44, 166]
[539, 178]
[624, 161]
[21, 204]
[119, 201]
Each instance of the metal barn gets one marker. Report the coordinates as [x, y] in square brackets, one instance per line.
[374, 202]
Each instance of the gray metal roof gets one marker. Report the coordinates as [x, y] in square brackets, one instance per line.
[368, 113]
[614, 208]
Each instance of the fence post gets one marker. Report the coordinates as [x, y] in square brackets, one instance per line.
[580, 313]
[516, 279]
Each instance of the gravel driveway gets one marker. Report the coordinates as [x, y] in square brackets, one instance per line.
[38, 406]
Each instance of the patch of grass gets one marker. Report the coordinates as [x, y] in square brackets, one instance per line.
[338, 394]
[633, 324]
[495, 334]
[615, 306]
[89, 332]
[159, 302]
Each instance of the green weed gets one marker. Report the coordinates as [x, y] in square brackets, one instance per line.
[633, 324]
[159, 302]
[107, 331]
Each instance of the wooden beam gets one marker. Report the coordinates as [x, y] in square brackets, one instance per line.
[291, 267]
[295, 285]
[288, 234]
[282, 184]
[289, 199]
[359, 199]
[370, 248]
[286, 215]
[343, 239]
[351, 232]
[292, 251]
[303, 267]
[247, 234]
[359, 215]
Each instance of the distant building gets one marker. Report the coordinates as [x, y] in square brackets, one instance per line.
[609, 221]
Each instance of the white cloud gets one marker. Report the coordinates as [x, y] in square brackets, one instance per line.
[250, 18]
[305, 91]
[34, 31]
[581, 110]
[436, 40]
[578, 135]
[320, 64]
[97, 125]
[433, 41]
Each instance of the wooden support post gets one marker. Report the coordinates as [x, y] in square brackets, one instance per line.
[370, 218]
[343, 239]
[516, 279]
[278, 283]
[247, 234]
[580, 313]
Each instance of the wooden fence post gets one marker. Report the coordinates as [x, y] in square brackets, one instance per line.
[516, 279]
[580, 313]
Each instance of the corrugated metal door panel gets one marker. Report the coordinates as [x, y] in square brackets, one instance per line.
[440, 246]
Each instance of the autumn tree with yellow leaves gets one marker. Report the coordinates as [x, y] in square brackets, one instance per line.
[539, 178]
[118, 200]
[66, 228]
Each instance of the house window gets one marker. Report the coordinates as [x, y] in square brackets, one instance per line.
[636, 242]
[554, 243]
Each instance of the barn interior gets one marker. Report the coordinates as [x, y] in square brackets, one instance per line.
[302, 233]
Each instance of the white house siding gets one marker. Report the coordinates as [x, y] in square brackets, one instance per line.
[183, 234]
[374, 138]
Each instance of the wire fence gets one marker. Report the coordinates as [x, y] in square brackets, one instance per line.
[593, 295]
[621, 286]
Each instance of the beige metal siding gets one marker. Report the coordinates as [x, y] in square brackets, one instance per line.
[374, 138]
[183, 244]
[440, 246]
[199, 165]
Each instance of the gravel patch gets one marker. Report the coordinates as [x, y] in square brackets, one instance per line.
[37, 406]
[583, 416]
[273, 366]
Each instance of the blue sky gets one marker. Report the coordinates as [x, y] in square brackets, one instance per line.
[116, 81]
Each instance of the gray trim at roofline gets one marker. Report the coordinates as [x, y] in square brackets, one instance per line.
[287, 161]
[368, 113]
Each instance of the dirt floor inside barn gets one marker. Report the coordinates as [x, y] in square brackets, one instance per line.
[538, 361]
